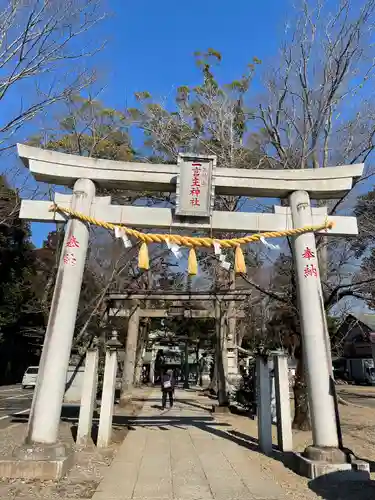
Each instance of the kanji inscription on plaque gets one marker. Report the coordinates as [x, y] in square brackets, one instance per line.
[194, 186]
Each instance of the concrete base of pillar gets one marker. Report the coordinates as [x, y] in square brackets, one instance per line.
[37, 461]
[329, 455]
[356, 470]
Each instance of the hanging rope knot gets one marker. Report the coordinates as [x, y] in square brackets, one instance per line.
[54, 208]
[239, 260]
[143, 257]
[192, 262]
[328, 224]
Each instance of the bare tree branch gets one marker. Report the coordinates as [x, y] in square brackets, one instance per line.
[37, 39]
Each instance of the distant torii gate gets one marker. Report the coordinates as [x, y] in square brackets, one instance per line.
[116, 307]
[194, 210]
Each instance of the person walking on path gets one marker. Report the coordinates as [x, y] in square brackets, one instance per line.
[167, 388]
[159, 366]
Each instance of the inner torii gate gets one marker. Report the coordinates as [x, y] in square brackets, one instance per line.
[84, 174]
[128, 305]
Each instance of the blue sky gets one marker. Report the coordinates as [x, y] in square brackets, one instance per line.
[151, 45]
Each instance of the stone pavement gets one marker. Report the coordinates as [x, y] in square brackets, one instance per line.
[183, 454]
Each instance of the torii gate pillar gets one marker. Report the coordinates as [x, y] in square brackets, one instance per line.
[41, 443]
[312, 314]
[130, 355]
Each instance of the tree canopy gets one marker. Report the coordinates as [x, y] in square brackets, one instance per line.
[19, 311]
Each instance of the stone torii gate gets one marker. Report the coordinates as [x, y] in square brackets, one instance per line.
[195, 212]
[128, 305]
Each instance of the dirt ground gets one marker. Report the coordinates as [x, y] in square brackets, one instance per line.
[81, 481]
[358, 429]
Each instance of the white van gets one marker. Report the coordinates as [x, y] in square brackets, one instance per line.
[30, 377]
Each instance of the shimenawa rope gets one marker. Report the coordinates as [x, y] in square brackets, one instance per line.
[191, 242]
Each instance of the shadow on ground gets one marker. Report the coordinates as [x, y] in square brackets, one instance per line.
[339, 486]
[187, 402]
[357, 395]
[364, 399]
[68, 412]
[94, 432]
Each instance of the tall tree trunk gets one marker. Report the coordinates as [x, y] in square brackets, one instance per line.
[301, 419]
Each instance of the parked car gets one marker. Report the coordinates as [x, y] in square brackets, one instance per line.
[30, 377]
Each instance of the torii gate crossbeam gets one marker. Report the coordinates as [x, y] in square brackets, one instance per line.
[65, 169]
